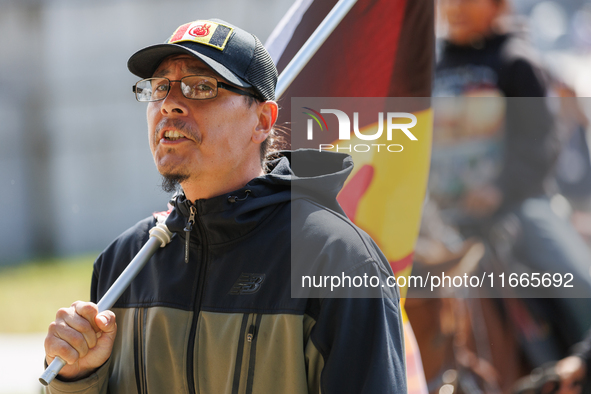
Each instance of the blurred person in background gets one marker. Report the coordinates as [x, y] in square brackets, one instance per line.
[494, 151]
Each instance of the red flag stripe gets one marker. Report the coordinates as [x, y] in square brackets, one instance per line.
[403, 263]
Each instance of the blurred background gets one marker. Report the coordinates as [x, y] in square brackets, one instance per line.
[561, 31]
[75, 166]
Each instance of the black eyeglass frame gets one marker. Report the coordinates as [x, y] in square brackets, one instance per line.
[170, 81]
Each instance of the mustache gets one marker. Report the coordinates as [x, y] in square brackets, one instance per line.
[181, 126]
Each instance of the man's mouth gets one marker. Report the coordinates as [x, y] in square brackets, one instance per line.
[176, 130]
[172, 135]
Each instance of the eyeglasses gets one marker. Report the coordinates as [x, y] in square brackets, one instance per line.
[193, 87]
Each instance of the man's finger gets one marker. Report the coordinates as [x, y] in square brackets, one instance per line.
[84, 327]
[64, 341]
[87, 310]
[80, 316]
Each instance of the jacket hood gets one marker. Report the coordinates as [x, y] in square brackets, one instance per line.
[300, 174]
[311, 174]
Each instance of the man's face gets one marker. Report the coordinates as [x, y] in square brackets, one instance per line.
[198, 141]
[469, 20]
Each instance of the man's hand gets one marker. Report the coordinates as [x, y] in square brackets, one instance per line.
[571, 371]
[82, 337]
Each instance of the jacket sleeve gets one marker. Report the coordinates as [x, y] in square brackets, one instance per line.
[94, 384]
[360, 341]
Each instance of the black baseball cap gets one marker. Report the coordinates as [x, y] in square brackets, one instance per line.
[236, 55]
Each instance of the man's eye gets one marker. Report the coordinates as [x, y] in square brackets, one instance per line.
[204, 87]
[161, 88]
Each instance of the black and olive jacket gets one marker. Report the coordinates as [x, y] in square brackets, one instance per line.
[226, 321]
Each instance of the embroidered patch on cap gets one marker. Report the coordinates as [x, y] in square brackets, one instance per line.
[203, 32]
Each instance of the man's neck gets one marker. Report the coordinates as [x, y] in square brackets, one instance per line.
[207, 188]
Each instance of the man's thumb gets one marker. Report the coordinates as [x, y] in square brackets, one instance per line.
[106, 321]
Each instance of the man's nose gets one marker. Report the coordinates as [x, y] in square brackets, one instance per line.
[174, 102]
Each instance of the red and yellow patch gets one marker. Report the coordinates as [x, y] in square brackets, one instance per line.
[203, 32]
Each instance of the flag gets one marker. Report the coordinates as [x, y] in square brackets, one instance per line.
[381, 49]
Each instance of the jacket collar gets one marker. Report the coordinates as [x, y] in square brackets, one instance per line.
[304, 173]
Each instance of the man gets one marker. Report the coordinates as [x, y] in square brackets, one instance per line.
[213, 311]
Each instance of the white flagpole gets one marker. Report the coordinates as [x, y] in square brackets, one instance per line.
[330, 22]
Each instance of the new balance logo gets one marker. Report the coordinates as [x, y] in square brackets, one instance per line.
[247, 284]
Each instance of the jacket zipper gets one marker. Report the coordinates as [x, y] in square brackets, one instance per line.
[198, 292]
[239, 354]
[246, 351]
[252, 339]
[138, 344]
[188, 228]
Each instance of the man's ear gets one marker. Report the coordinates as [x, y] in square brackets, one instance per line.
[267, 115]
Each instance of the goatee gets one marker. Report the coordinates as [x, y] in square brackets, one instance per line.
[172, 182]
